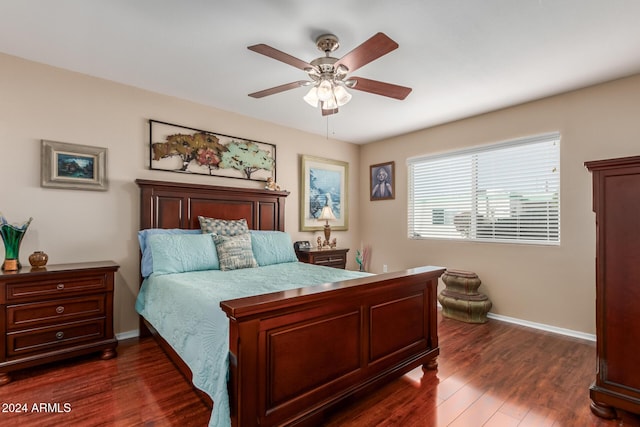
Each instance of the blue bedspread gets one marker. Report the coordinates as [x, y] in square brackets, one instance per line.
[185, 309]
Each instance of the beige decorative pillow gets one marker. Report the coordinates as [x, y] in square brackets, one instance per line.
[235, 252]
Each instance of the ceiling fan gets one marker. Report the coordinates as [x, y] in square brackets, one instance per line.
[328, 75]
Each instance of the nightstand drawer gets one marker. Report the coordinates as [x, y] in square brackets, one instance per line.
[32, 315]
[21, 291]
[50, 338]
[334, 257]
[335, 260]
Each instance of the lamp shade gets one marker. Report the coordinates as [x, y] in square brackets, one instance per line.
[312, 97]
[342, 96]
[326, 214]
[325, 90]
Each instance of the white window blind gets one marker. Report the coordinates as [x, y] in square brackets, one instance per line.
[508, 192]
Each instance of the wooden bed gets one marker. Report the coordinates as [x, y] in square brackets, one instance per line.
[381, 326]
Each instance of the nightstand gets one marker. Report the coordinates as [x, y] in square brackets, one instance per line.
[54, 313]
[328, 257]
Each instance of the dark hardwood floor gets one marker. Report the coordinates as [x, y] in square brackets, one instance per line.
[494, 374]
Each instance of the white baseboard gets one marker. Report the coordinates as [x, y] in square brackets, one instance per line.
[543, 327]
[540, 326]
[129, 334]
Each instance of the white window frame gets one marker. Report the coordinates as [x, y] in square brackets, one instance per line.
[472, 194]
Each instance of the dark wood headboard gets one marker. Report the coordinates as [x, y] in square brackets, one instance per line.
[178, 205]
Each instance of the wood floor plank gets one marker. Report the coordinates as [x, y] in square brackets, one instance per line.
[539, 418]
[513, 410]
[479, 412]
[450, 386]
[500, 419]
[454, 406]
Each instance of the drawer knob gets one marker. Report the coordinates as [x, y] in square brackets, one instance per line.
[59, 335]
[60, 286]
[59, 309]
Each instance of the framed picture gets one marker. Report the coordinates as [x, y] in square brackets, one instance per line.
[382, 180]
[187, 150]
[323, 182]
[73, 166]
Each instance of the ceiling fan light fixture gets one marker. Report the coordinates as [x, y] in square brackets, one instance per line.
[329, 104]
[325, 90]
[311, 97]
[327, 95]
[341, 95]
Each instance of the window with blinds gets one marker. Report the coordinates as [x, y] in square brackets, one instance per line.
[507, 192]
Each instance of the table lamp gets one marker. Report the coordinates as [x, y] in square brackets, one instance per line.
[327, 215]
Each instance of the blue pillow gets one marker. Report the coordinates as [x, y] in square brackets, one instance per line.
[179, 253]
[146, 262]
[272, 247]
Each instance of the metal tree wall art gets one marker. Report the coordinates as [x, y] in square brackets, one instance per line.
[186, 150]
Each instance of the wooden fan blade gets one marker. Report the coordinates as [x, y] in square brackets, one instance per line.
[368, 51]
[380, 88]
[329, 111]
[278, 89]
[280, 56]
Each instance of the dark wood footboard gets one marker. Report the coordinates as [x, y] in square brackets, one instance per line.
[295, 354]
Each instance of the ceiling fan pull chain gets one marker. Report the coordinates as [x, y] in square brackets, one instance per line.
[327, 127]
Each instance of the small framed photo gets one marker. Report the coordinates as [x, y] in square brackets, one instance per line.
[382, 180]
[73, 166]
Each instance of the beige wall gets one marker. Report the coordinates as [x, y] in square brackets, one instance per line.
[547, 285]
[41, 102]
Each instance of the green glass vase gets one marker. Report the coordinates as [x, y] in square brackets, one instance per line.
[12, 237]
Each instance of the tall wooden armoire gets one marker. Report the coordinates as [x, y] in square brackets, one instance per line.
[616, 202]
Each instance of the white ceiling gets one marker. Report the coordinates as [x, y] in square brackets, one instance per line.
[461, 57]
